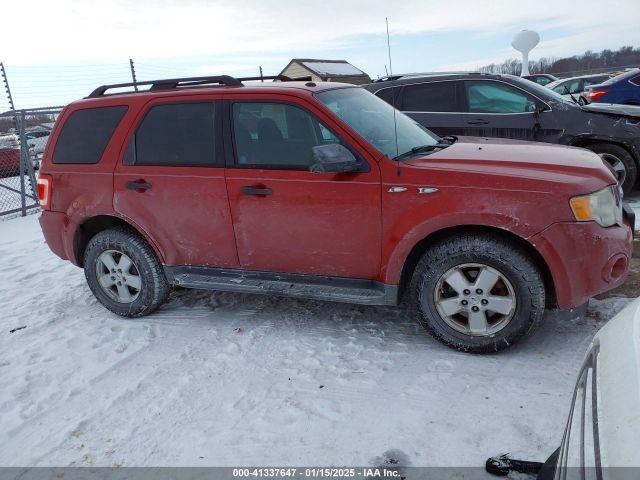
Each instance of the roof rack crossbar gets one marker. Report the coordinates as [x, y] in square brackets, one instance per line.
[171, 83]
[186, 82]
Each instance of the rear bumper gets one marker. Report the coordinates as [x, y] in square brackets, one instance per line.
[584, 259]
[55, 228]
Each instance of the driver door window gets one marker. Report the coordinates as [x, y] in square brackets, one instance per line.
[497, 97]
[277, 135]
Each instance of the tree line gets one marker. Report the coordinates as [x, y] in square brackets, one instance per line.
[588, 61]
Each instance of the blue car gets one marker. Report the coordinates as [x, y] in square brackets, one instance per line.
[623, 89]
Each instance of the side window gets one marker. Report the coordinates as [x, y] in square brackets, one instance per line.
[277, 135]
[635, 80]
[497, 97]
[175, 134]
[86, 133]
[430, 97]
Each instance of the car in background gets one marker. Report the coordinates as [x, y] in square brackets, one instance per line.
[541, 78]
[601, 435]
[37, 141]
[9, 156]
[623, 89]
[505, 106]
[575, 88]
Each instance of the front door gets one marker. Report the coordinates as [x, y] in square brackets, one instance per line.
[287, 219]
[497, 109]
[171, 183]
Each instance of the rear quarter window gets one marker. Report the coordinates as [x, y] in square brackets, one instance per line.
[86, 133]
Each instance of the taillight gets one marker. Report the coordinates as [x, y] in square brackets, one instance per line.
[44, 191]
[595, 94]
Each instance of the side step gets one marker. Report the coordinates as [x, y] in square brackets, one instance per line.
[334, 289]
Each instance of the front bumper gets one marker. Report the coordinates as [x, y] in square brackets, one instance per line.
[585, 259]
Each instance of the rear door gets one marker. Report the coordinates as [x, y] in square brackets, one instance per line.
[170, 182]
[436, 105]
[497, 109]
[287, 219]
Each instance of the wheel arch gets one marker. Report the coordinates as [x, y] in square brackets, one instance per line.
[424, 244]
[91, 226]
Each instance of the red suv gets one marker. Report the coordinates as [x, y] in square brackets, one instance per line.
[324, 191]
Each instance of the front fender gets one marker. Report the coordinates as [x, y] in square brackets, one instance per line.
[395, 255]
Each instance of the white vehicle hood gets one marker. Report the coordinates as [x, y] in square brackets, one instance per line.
[618, 379]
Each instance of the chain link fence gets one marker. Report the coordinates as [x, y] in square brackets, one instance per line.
[23, 137]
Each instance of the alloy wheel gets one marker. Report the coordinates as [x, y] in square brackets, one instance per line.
[475, 299]
[118, 276]
[617, 165]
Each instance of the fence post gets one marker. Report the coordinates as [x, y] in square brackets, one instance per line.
[24, 158]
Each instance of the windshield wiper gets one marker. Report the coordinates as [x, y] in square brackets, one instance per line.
[422, 149]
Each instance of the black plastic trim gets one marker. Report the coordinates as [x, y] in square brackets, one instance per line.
[334, 289]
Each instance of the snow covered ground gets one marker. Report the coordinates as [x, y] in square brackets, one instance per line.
[230, 379]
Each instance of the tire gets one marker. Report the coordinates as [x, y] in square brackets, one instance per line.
[621, 154]
[118, 247]
[494, 256]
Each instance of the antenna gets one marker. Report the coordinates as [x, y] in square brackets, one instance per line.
[393, 95]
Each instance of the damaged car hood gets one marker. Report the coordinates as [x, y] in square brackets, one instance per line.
[611, 108]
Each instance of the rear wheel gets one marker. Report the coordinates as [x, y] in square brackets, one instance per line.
[622, 162]
[477, 293]
[123, 273]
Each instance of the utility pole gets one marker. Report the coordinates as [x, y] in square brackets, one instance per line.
[133, 74]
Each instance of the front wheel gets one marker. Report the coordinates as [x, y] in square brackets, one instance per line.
[621, 161]
[477, 293]
[124, 274]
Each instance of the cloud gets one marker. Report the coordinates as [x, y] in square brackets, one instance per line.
[75, 31]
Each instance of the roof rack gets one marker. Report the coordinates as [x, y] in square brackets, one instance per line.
[189, 82]
[389, 78]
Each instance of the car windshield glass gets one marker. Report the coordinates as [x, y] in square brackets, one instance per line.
[544, 93]
[373, 119]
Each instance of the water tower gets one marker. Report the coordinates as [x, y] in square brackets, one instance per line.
[524, 42]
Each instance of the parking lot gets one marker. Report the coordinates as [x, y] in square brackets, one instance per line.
[236, 379]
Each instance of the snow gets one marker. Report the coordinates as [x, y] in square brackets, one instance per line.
[333, 68]
[231, 379]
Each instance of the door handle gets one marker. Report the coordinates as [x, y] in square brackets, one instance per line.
[139, 186]
[257, 191]
[479, 121]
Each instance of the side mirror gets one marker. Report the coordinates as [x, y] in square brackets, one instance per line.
[333, 158]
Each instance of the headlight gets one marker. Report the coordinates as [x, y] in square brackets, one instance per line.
[603, 207]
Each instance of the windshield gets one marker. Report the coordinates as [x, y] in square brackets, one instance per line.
[373, 119]
[544, 93]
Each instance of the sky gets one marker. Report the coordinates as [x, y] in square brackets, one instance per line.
[72, 46]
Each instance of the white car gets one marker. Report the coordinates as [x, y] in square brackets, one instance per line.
[575, 87]
[603, 430]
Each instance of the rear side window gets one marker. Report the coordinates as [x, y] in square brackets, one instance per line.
[430, 97]
[635, 80]
[176, 134]
[85, 134]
